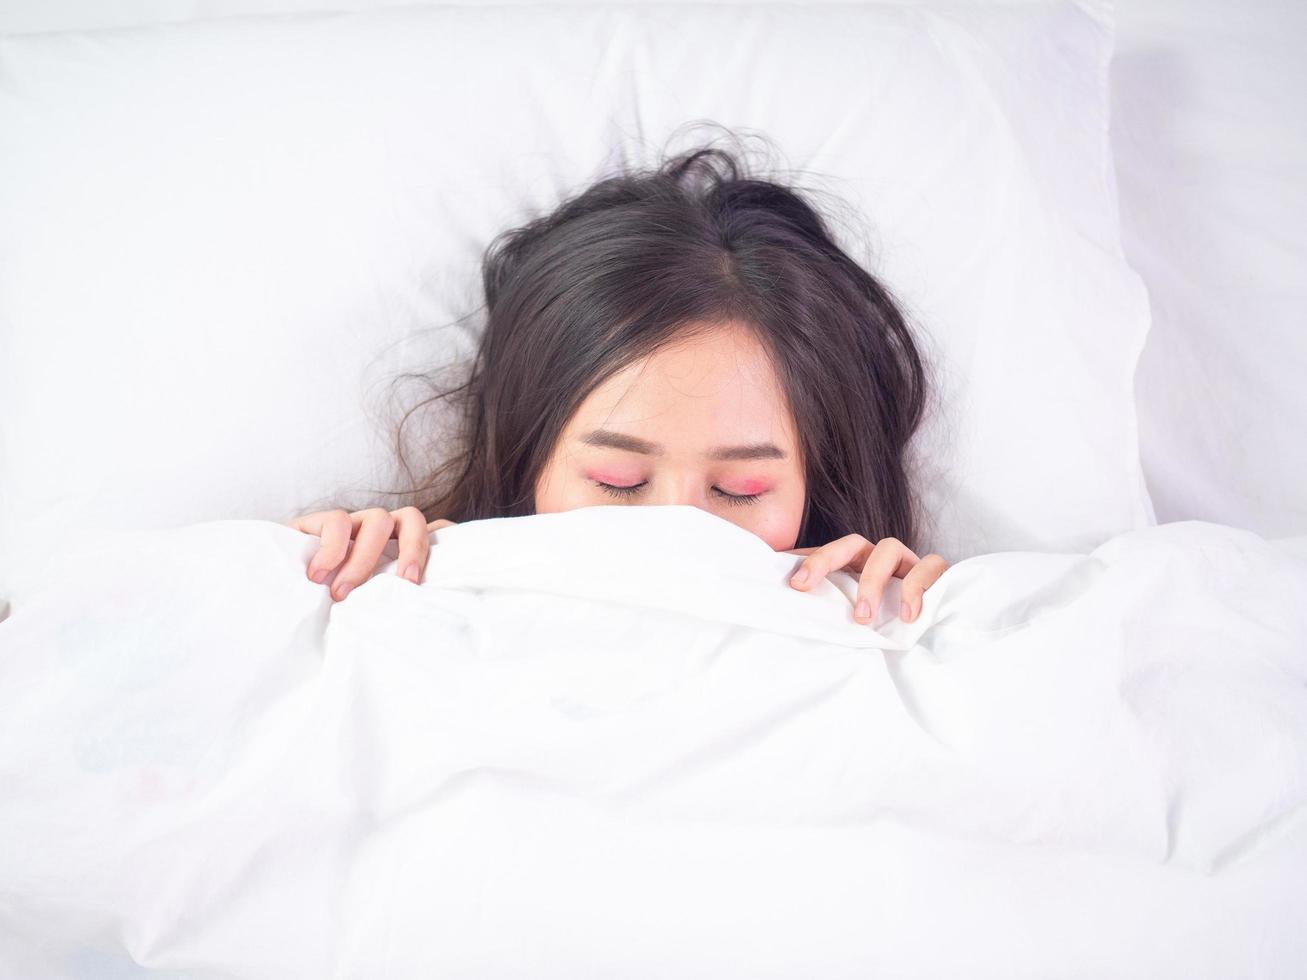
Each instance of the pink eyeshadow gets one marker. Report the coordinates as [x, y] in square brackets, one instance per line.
[747, 487]
[613, 478]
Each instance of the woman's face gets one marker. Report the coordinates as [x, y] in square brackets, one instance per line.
[702, 422]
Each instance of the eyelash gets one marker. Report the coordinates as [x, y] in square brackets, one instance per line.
[735, 499]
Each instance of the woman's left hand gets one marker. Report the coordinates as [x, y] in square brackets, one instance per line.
[876, 565]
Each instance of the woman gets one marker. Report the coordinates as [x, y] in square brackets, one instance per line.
[685, 335]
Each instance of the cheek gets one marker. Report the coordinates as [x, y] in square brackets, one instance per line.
[551, 492]
[776, 522]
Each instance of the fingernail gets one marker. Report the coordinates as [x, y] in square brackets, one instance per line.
[320, 575]
[864, 609]
[801, 577]
[343, 590]
[905, 612]
[411, 572]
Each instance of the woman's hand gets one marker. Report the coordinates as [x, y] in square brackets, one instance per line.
[370, 529]
[876, 565]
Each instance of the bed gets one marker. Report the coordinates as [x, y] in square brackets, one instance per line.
[221, 240]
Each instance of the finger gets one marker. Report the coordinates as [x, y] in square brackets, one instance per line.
[308, 523]
[373, 531]
[917, 581]
[334, 527]
[848, 550]
[889, 558]
[414, 542]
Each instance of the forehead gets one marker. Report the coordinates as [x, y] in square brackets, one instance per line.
[715, 387]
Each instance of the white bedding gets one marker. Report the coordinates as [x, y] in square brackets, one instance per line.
[613, 742]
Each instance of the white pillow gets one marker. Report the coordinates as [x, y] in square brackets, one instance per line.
[219, 240]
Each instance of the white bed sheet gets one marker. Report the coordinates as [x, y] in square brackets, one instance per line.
[613, 741]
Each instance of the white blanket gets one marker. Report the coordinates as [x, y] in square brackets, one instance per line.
[614, 742]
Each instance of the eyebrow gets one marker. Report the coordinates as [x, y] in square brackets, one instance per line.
[609, 439]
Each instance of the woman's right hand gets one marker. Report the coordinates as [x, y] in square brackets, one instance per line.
[370, 530]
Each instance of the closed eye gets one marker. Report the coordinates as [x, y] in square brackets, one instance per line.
[633, 489]
[613, 491]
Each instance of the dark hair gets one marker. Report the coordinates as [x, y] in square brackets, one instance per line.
[640, 258]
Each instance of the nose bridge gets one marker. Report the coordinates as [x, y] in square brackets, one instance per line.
[679, 485]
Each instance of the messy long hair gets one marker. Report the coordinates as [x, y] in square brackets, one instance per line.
[643, 257]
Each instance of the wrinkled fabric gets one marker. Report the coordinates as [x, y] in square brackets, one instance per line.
[615, 741]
